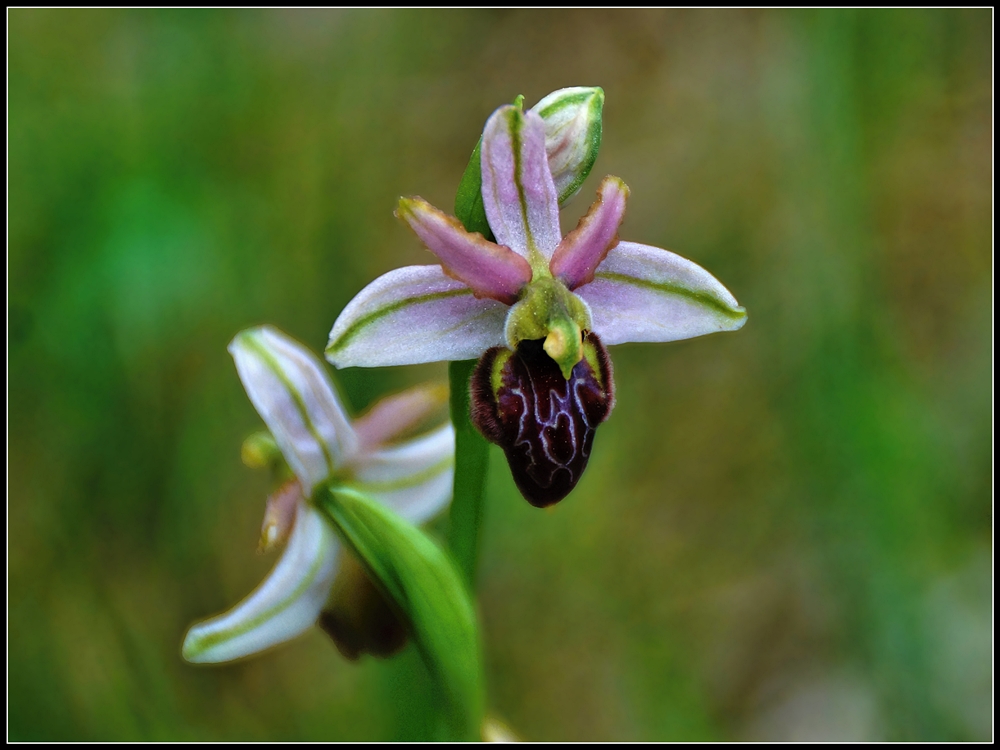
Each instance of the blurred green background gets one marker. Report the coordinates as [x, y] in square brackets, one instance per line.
[784, 533]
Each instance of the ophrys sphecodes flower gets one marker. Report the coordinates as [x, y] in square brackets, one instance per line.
[536, 307]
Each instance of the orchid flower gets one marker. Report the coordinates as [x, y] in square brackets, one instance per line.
[321, 446]
[536, 307]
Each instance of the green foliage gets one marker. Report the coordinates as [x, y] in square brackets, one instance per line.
[469, 199]
[471, 468]
[424, 584]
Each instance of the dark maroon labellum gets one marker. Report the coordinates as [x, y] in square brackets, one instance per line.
[544, 422]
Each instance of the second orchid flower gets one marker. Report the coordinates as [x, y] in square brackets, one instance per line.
[321, 446]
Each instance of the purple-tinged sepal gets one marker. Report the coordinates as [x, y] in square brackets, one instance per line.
[297, 401]
[519, 196]
[314, 450]
[544, 421]
[643, 293]
[412, 315]
[286, 604]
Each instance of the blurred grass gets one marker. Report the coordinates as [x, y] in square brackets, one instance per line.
[784, 533]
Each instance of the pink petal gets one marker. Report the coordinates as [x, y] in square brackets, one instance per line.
[488, 269]
[518, 193]
[396, 415]
[279, 515]
[582, 250]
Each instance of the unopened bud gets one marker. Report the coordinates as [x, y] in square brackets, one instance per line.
[572, 120]
[259, 451]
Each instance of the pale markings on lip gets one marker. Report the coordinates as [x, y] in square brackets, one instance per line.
[560, 408]
[544, 422]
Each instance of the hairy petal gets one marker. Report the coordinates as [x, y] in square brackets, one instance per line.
[488, 269]
[582, 250]
[572, 118]
[412, 315]
[413, 478]
[518, 193]
[293, 394]
[643, 293]
[283, 606]
[394, 416]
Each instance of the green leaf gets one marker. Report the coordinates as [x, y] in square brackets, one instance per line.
[423, 582]
[469, 199]
[471, 463]
[469, 207]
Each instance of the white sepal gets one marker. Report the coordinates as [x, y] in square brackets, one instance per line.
[413, 478]
[643, 293]
[412, 315]
[291, 391]
[286, 604]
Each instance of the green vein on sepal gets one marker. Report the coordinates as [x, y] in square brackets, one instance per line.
[200, 644]
[402, 483]
[593, 140]
[567, 101]
[252, 342]
[706, 299]
[357, 326]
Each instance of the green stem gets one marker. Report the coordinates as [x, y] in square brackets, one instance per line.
[471, 457]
